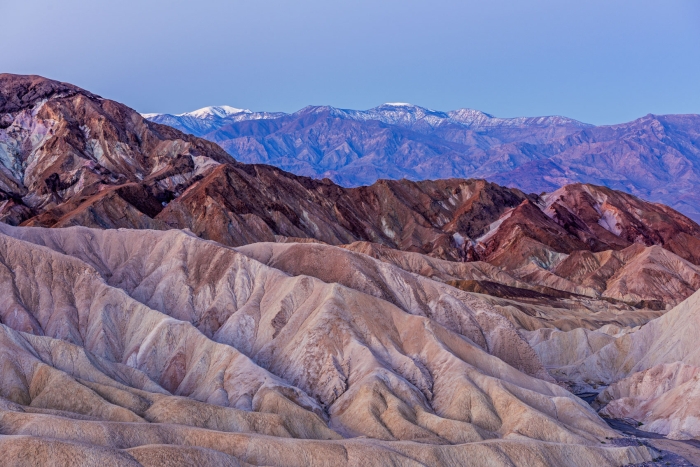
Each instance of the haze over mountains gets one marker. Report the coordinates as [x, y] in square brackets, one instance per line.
[656, 157]
[165, 304]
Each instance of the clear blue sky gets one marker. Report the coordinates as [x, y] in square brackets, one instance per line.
[600, 61]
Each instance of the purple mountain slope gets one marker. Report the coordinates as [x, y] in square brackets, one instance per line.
[655, 157]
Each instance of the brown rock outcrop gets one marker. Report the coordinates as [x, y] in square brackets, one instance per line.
[609, 219]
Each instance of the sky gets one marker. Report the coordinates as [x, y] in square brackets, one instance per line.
[599, 61]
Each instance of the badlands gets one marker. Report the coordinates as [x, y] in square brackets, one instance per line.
[163, 304]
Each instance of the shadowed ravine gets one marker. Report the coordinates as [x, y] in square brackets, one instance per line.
[673, 452]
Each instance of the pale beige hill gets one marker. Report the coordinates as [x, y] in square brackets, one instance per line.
[42, 375]
[645, 270]
[435, 268]
[537, 274]
[556, 348]
[664, 399]
[540, 300]
[464, 313]
[203, 272]
[530, 313]
[652, 371]
[668, 339]
[117, 321]
[59, 296]
[106, 443]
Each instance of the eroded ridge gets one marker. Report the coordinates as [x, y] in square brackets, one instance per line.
[139, 346]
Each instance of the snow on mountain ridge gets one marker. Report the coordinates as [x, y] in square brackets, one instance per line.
[212, 111]
[393, 113]
[220, 111]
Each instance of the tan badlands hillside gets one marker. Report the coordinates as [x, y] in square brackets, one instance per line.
[158, 348]
[526, 306]
[652, 374]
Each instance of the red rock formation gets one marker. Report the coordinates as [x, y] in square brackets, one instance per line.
[609, 219]
[73, 158]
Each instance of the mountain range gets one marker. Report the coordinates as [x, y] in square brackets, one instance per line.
[164, 304]
[656, 157]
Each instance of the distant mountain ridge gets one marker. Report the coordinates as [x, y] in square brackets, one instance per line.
[393, 113]
[207, 119]
[655, 157]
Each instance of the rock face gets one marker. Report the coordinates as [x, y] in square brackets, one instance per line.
[240, 205]
[70, 156]
[147, 347]
[594, 213]
[655, 157]
[597, 242]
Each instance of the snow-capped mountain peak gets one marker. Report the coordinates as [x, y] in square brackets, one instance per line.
[401, 107]
[220, 111]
